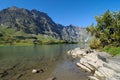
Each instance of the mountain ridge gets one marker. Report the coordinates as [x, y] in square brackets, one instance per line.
[37, 22]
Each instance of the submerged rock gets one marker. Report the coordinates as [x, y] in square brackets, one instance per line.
[52, 78]
[3, 74]
[100, 64]
[34, 71]
[37, 71]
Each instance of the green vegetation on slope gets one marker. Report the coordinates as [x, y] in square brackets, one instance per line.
[9, 36]
[106, 32]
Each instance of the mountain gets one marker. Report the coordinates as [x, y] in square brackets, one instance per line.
[36, 22]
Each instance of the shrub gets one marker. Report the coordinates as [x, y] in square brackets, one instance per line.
[95, 43]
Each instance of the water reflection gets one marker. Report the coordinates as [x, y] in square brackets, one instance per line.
[51, 58]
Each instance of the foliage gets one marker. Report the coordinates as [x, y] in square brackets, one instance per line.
[95, 43]
[7, 35]
[112, 50]
[107, 29]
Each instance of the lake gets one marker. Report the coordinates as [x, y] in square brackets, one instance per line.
[17, 63]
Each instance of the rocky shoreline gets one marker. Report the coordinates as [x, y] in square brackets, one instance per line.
[101, 65]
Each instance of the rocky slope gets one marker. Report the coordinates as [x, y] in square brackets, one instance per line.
[100, 64]
[36, 22]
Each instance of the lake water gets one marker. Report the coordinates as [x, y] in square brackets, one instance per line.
[17, 62]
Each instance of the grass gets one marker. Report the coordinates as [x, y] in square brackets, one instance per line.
[112, 50]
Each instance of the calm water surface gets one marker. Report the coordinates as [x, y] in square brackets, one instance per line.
[17, 62]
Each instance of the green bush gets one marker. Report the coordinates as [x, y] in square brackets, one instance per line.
[107, 29]
[95, 43]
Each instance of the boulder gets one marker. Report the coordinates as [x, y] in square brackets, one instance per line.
[92, 78]
[100, 64]
[86, 69]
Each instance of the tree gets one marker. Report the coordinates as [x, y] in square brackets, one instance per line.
[107, 29]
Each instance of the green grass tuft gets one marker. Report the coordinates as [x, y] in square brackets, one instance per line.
[112, 50]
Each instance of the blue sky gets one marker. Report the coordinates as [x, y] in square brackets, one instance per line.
[77, 12]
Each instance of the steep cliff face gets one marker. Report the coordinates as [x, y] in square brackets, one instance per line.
[73, 33]
[36, 22]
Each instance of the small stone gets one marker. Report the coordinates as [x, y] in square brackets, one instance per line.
[54, 78]
[35, 71]
[41, 70]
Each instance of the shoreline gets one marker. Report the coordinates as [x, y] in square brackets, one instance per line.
[101, 65]
[32, 44]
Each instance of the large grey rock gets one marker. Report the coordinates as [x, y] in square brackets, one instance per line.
[100, 64]
[93, 78]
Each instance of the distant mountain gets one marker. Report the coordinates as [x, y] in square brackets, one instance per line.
[36, 22]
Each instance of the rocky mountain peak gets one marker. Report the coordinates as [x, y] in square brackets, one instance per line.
[13, 8]
[37, 22]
